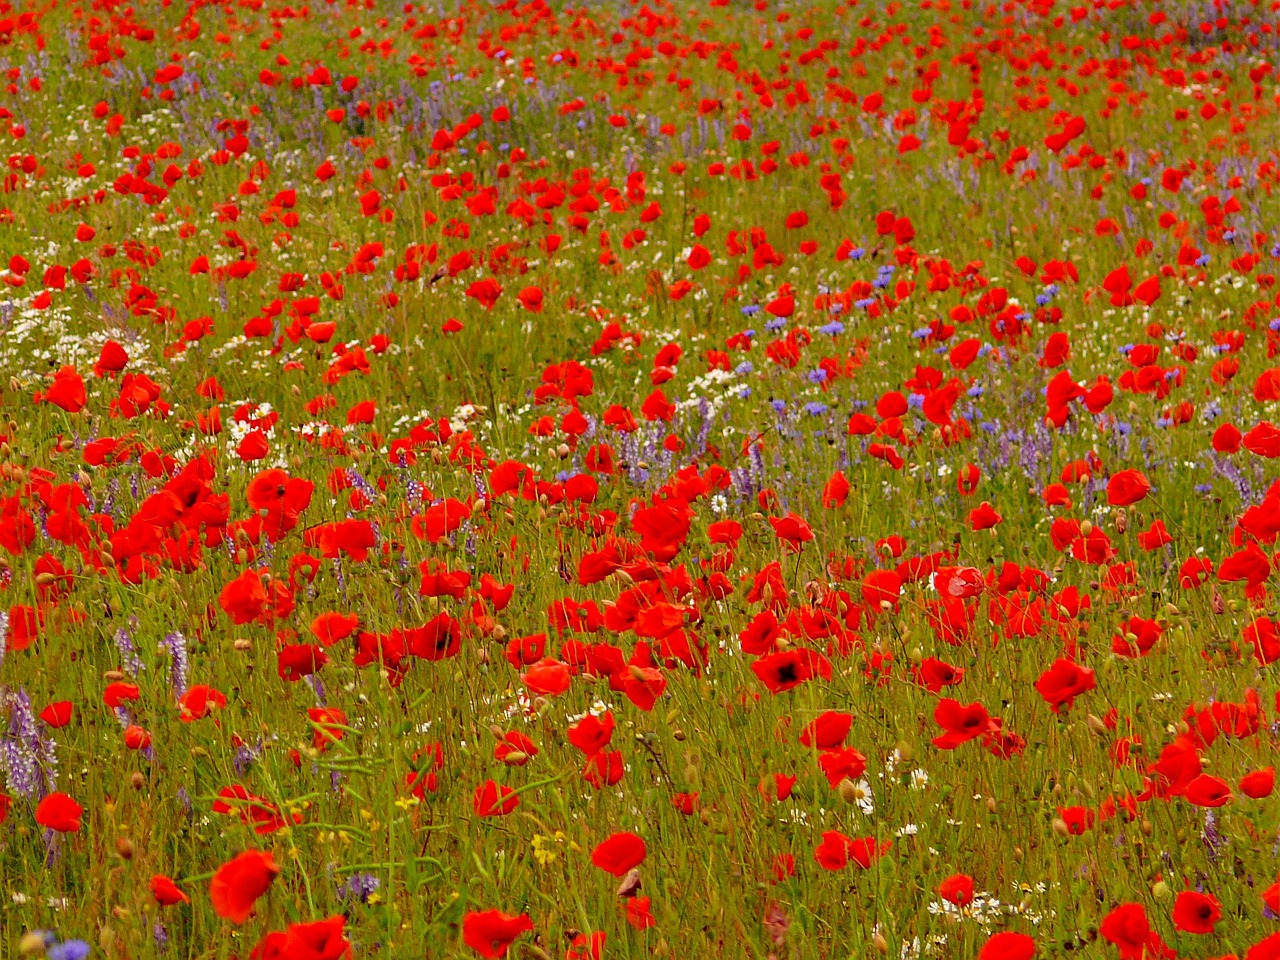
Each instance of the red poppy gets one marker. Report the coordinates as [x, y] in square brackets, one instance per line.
[548, 677]
[783, 671]
[828, 730]
[1063, 682]
[57, 714]
[244, 599]
[619, 853]
[198, 700]
[239, 883]
[1196, 912]
[836, 851]
[59, 812]
[1128, 928]
[639, 915]
[67, 391]
[1208, 791]
[592, 734]
[983, 517]
[961, 723]
[1127, 487]
[835, 491]
[792, 530]
[331, 627]
[166, 892]
[320, 940]
[957, 889]
[492, 800]
[1258, 784]
[1008, 946]
[490, 932]
[298, 660]
[842, 763]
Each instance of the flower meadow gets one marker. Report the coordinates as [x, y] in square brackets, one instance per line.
[639, 479]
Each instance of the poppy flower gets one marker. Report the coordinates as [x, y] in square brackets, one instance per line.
[244, 599]
[592, 734]
[1127, 487]
[490, 932]
[492, 800]
[1265, 949]
[643, 685]
[298, 660]
[828, 730]
[620, 853]
[1008, 946]
[882, 589]
[531, 299]
[198, 701]
[319, 940]
[957, 889]
[586, 946]
[329, 628]
[1196, 912]
[836, 851]
[67, 390]
[239, 883]
[1258, 784]
[961, 723]
[1128, 929]
[783, 671]
[548, 677]
[166, 892]
[835, 491]
[1063, 682]
[1208, 791]
[59, 812]
[57, 714]
[639, 914]
[983, 517]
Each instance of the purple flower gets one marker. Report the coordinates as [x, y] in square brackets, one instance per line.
[179, 665]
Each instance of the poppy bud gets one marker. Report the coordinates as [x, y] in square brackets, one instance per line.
[1086, 528]
[1060, 827]
[124, 848]
[991, 804]
[630, 884]
[879, 942]
[1096, 726]
[242, 645]
[137, 780]
[1161, 890]
[31, 945]
[848, 791]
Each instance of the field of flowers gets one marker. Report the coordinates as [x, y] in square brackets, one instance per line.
[738, 478]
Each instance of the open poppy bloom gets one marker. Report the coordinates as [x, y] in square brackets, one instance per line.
[619, 853]
[239, 882]
[59, 812]
[490, 932]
